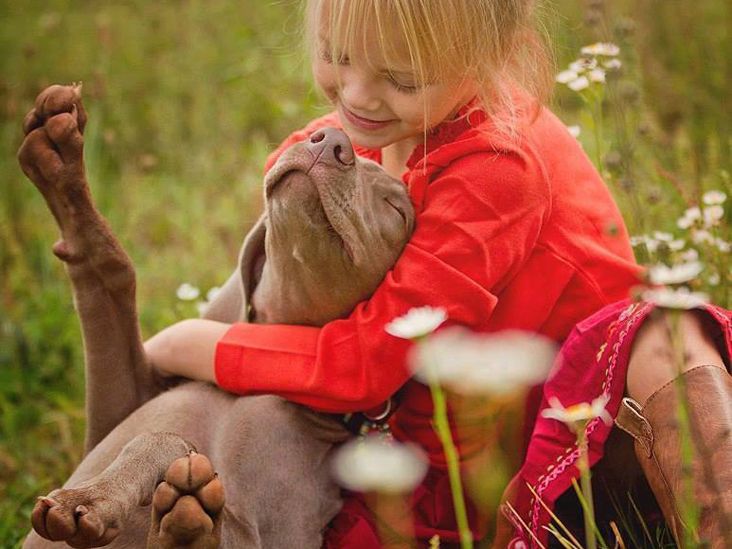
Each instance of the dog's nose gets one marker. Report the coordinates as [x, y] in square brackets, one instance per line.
[331, 146]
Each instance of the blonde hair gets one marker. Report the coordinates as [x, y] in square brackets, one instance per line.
[497, 44]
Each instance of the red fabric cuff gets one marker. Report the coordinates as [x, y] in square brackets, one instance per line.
[247, 352]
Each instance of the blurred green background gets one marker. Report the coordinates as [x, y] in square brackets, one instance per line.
[187, 97]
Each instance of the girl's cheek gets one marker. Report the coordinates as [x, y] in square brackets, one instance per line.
[326, 80]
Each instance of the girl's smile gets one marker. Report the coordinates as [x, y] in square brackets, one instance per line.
[361, 122]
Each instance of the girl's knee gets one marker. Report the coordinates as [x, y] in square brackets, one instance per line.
[655, 354]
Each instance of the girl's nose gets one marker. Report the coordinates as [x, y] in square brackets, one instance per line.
[359, 92]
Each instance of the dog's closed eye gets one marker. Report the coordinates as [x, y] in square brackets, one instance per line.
[397, 208]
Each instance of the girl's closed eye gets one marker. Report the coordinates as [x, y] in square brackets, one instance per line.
[402, 86]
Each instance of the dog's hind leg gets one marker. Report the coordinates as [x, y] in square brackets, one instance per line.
[118, 378]
[93, 512]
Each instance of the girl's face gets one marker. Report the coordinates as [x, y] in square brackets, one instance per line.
[380, 104]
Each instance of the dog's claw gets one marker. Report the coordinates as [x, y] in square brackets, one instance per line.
[63, 518]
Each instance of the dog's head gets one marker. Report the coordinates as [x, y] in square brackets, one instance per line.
[334, 224]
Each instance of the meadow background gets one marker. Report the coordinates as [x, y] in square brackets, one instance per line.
[185, 99]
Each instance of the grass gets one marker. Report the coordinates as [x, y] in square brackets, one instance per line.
[185, 100]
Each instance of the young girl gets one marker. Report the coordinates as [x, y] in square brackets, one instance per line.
[514, 230]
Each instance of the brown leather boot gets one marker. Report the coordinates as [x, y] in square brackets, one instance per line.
[655, 429]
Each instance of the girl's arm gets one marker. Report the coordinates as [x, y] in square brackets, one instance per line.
[186, 349]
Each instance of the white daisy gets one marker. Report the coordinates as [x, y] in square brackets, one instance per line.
[677, 244]
[606, 49]
[597, 75]
[187, 292]
[583, 64]
[578, 414]
[677, 274]
[662, 236]
[712, 198]
[712, 215]
[212, 293]
[722, 245]
[500, 363]
[701, 236]
[579, 84]
[690, 255]
[375, 464]
[565, 77]
[684, 222]
[418, 322]
[679, 298]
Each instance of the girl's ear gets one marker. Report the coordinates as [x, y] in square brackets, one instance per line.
[233, 300]
[251, 262]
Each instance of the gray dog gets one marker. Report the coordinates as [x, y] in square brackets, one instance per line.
[333, 225]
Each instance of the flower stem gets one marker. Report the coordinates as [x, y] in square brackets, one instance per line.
[442, 427]
[586, 485]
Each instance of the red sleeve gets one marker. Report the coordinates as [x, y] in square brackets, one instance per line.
[481, 218]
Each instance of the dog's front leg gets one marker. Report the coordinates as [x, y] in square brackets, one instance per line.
[118, 378]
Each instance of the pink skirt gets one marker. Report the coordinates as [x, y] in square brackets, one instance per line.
[593, 361]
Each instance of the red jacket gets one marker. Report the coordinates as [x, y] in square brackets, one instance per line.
[518, 234]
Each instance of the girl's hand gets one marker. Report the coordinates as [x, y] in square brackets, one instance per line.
[186, 349]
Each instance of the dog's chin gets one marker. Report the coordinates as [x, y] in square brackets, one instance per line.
[296, 189]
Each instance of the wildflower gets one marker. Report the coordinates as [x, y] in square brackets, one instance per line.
[713, 198]
[582, 65]
[684, 222]
[651, 244]
[212, 293]
[579, 84]
[374, 464]
[637, 240]
[701, 236]
[565, 77]
[574, 131]
[578, 414]
[712, 215]
[597, 75]
[187, 292]
[418, 322]
[663, 237]
[612, 64]
[679, 298]
[678, 274]
[677, 244]
[606, 49]
[496, 364]
[722, 245]
[690, 255]
[693, 213]
[714, 279]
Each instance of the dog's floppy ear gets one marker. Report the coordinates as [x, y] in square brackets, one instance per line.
[233, 301]
[251, 261]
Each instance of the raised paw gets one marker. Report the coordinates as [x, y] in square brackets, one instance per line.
[51, 154]
[81, 517]
[187, 505]
[54, 100]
